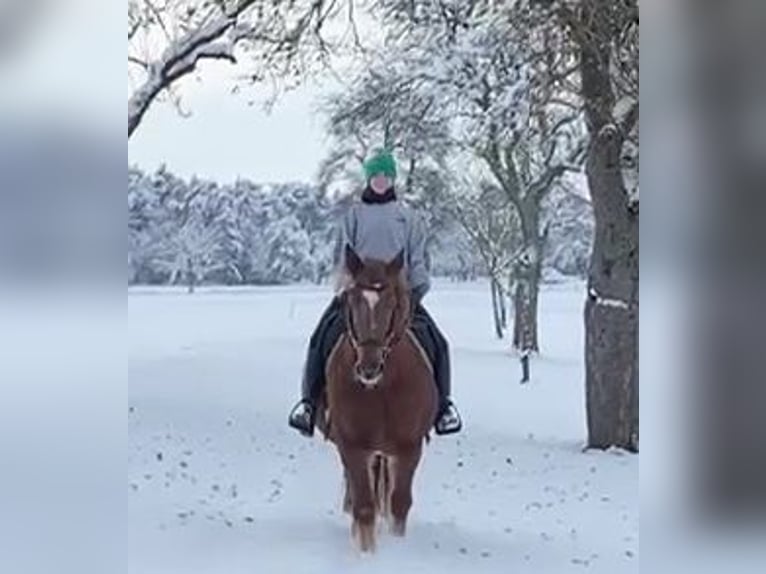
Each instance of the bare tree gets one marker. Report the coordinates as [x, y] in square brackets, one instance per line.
[526, 168]
[489, 220]
[167, 39]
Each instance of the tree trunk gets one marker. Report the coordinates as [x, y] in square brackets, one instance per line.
[496, 308]
[527, 271]
[525, 296]
[611, 313]
[503, 307]
[190, 275]
[611, 308]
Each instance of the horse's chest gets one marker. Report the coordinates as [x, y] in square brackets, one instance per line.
[365, 415]
[399, 410]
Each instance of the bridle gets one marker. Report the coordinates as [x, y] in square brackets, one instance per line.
[392, 335]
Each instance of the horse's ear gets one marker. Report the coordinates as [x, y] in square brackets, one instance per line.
[353, 263]
[395, 266]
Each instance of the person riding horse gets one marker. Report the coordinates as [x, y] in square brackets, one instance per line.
[379, 227]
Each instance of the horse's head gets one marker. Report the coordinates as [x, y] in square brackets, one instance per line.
[377, 311]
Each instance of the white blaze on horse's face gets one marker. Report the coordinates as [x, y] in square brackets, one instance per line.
[372, 298]
[370, 351]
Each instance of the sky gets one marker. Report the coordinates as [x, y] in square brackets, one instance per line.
[225, 138]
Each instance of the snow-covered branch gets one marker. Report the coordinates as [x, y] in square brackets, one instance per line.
[180, 58]
[629, 118]
[138, 62]
[273, 32]
[133, 28]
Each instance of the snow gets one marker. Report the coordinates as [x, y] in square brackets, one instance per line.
[608, 301]
[219, 483]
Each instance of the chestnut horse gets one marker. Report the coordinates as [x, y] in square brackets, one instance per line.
[380, 401]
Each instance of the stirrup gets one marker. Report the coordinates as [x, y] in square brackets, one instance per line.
[449, 421]
[302, 418]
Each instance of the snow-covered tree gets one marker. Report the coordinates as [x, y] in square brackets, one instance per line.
[384, 108]
[289, 258]
[489, 220]
[459, 78]
[604, 36]
[167, 40]
[568, 225]
[199, 231]
[255, 234]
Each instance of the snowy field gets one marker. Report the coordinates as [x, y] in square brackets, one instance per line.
[218, 483]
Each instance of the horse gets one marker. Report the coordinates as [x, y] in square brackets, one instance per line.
[380, 400]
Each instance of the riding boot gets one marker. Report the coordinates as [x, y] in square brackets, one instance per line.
[303, 415]
[448, 419]
[328, 331]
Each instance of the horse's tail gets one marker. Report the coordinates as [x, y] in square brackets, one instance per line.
[382, 484]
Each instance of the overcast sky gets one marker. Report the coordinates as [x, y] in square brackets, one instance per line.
[226, 138]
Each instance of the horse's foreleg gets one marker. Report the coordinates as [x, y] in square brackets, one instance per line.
[382, 481]
[356, 462]
[404, 464]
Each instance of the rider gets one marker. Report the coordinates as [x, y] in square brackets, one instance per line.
[379, 227]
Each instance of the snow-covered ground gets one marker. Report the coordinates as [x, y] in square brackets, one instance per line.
[218, 483]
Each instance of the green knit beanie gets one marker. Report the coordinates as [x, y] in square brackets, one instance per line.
[380, 162]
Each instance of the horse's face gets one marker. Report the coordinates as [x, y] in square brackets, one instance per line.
[373, 313]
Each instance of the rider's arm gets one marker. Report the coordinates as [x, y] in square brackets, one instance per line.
[418, 264]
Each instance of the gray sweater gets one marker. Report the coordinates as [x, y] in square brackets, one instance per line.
[380, 231]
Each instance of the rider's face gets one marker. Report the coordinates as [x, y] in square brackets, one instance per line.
[380, 183]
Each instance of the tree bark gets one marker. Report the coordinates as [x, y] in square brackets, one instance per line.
[190, 275]
[611, 312]
[527, 271]
[139, 102]
[496, 312]
[611, 308]
[525, 297]
[503, 307]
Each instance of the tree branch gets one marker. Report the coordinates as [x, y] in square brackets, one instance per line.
[153, 9]
[629, 120]
[181, 57]
[138, 62]
[564, 121]
[506, 176]
[134, 28]
[216, 51]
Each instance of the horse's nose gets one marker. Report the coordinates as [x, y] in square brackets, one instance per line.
[369, 374]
